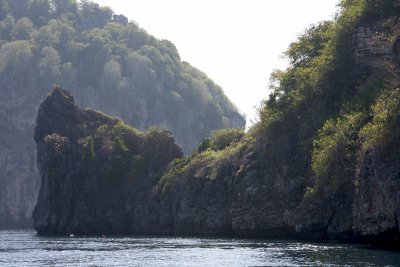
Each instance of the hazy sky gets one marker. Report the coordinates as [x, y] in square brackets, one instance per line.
[237, 43]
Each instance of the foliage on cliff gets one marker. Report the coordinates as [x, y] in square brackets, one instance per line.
[336, 101]
[319, 104]
[209, 160]
[322, 163]
[320, 85]
[110, 64]
[93, 165]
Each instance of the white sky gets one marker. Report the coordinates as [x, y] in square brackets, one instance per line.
[237, 43]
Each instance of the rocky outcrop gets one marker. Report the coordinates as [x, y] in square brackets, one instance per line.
[231, 196]
[365, 206]
[145, 83]
[376, 50]
[101, 177]
[19, 176]
[96, 172]
[263, 184]
[377, 198]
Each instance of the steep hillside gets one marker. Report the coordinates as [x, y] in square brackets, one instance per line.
[324, 161]
[96, 171]
[109, 64]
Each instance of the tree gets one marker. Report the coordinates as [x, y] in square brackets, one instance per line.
[46, 37]
[112, 74]
[93, 57]
[111, 79]
[64, 7]
[134, 37]
[18, 8]
[39, 11]
[49, 67]
[120, 19]
[164, 66]
[92, 15]
[23, 29]
[6, 27]
[16, 62]
[310, 44]
[140, 69]
[3, 9]
[63, 30]
[68, 76]
[114, 30]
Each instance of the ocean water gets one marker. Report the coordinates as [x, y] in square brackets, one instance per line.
[27, 249]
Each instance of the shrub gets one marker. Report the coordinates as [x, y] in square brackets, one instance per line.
[385, 125]
[221, 139]
[88, 153]
[335, 151]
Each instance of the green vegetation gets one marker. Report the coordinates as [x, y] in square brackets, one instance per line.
[313, 128]
[125, 155]
[335, 151]
[221, 139]
[173, 177]
[119, 143]
[316, 97]
[318, 118]
[88, 149]
[327, 136]
[384, 129]
[109, 64]
[216, 157]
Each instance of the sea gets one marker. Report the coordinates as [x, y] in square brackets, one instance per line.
[26, 248]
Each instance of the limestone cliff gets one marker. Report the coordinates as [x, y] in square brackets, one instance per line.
[364, 205]
[268, 184]
[377, 198]
[96, 172]
[19, 183]
[110, 64]
[99, 176]
[322, 163]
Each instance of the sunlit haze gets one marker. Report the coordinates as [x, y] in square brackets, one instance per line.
[237, 43]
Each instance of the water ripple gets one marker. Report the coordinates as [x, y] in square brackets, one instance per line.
[27, 249]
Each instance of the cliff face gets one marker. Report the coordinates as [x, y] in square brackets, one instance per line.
[322, 164]
[228, 193]
[99, 176]
[96, 172]
[377, 205]
[364, 202]
[110, 64]
[19, 176]
[267, 185]
[18, 172]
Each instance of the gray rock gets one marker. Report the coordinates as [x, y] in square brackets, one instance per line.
[96, 173]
